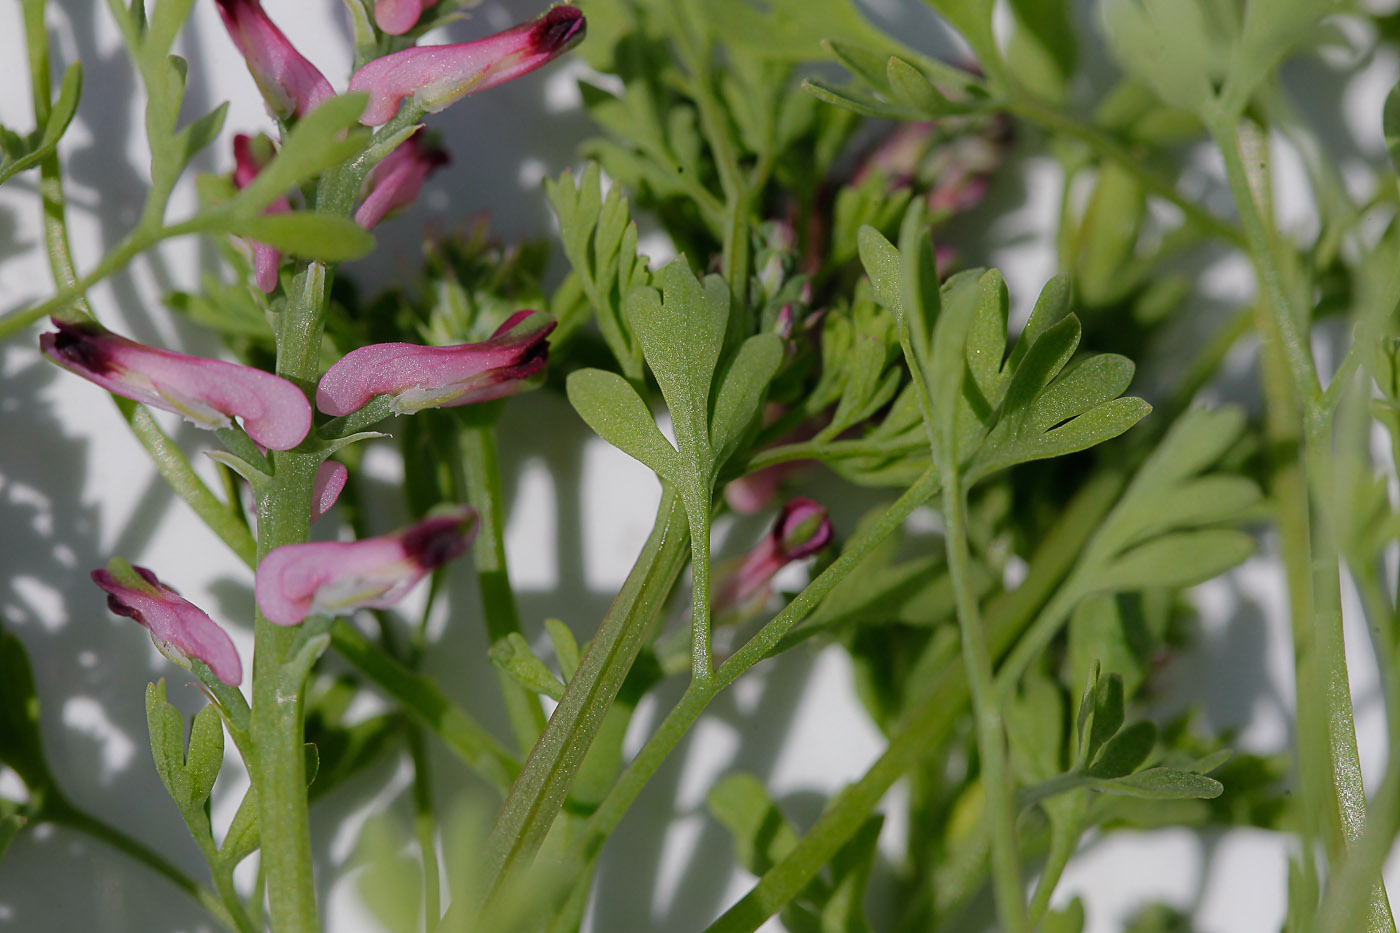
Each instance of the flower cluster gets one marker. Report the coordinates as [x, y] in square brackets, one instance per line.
[295, 581]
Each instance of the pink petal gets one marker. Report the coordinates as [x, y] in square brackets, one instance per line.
[395, 182]
[397, 17]
[338, 577]
[290, 84]
[173, 621]
[424, 377]
[330, 481]
[436, 75]
[207, 392]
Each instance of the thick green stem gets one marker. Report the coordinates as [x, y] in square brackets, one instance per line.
[482, 480]
[998, 791]
[425, 828]
[279, 773]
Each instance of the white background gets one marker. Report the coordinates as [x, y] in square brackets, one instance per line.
[75, 489]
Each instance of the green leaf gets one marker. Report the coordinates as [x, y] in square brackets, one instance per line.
[167, 731]
[1390, 123]
[1168, 45]
[910, 86]
[1051, 23]
[1125, 752]
[326, 237]
[325, 137]
[1051, 308]
[856, 102]
[565, 647]
[867, 64]
[1070, 919]
[792, 29]
[1162, 784]
[883, 265]
[1035, 729]
[164, 25]
[742, 388]
[1108, 235]
[512, 654]
[21, 745]
[762, 835]
[206, 755]
[1107, 714]
[243, 837]
[1176, 560]
[681, 328]
[617, 414]
[600, 241]
[18, 156]
[10, 825]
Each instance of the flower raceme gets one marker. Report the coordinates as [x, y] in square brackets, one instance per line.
[395, 182]
[434, 76]
[418, 377]
[290, 84]
[208, 393]
[338, 577]
[180, 629]
[801, 530]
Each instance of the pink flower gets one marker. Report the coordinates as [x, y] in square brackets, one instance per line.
[436, 75]
[247, 163]
[395, 182]
[209, 393]
[290, 84]
[801, 530]
[421, 377]
[180, 629]
[338, 577]
[397, 17]
[326, 488]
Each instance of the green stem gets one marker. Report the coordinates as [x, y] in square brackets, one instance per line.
[482, 484]
[699, 694]
[1051, 118]
[998, 790]
[930, 722]
[284, 510]
[418, 695]
[701, 663]
[1322, 673]
[64, 814]
[543, 785]
[425, 828]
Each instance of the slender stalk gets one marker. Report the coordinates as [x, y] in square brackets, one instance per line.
[540, 791]
[701, 664]
[65, 814]
[481, 481]
[1036, 111]
[1322, 670]
[699, 694]
[998, 790]
[425, 828]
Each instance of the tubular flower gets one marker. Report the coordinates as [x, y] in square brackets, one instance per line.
[397, 17]
[395, 182]
[338, 577]
[208, 393]
[326, 488]
[180, 629]
[419, 377]
[801, 530]
[289, 83]
[249, 156]
[436, 75]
